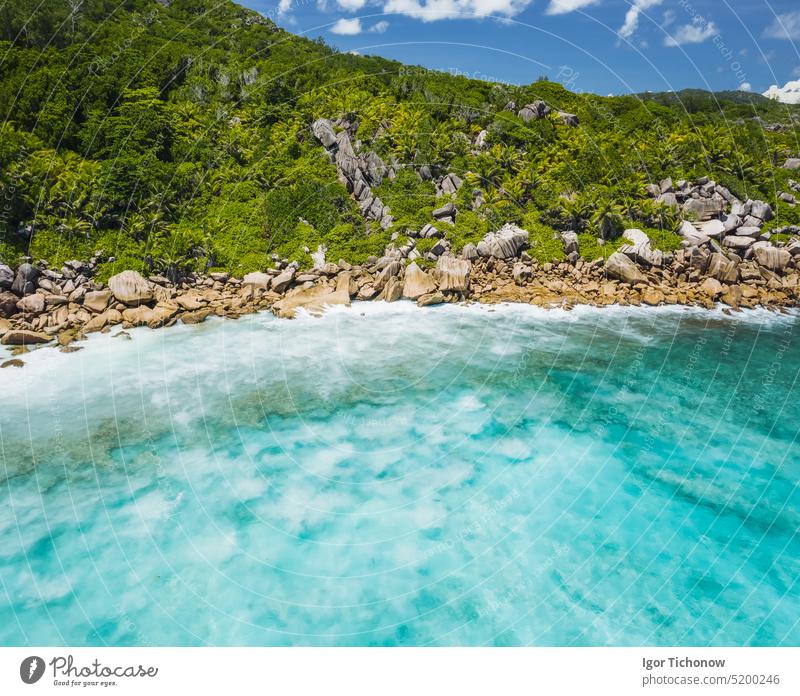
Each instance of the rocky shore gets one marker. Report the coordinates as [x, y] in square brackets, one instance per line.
[728, 254]
[41, 305]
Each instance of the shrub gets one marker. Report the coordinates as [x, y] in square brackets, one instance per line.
[545, 245]
[665, 240]
[590, 247]
[470, 227]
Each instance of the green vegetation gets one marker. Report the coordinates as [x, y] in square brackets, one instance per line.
[545, 243]
[178, 138]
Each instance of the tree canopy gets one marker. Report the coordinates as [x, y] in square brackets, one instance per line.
[180, 133]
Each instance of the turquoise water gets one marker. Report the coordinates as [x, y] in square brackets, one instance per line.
[387, 475]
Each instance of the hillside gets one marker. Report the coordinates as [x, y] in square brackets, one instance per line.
[694, 100]
[177, 136]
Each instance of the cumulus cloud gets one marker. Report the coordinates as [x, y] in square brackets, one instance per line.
[433, 10]
[694, 33]
[558, 7]
[379, 27]
[788, 94]
[745, 87]
[346, 27]
[628, 29]
[785, 26]
[351, 5]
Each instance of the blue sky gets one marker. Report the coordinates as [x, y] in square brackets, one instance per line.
[602, 46]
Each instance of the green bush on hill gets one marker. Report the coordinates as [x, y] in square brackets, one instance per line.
[177, 134]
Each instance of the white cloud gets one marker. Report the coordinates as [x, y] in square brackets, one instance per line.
[632, 16]
[784, 26]
[284, 6]
[745, 87]
[796, 72]
[351, 5]
[558, 7]
[694, 33]
[379, 27]
[788, 94]
[346, 27]
[433, 10]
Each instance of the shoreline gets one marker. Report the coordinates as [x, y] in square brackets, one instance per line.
[61, 311]
[15, 356]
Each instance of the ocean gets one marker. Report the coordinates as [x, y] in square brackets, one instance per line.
[389, 475]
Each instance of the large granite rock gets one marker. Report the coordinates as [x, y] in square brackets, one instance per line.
[712, 287]
[521, 273]
[130, 288]
[723, 269]
[429, 231]
[635, 236]
[534, 111]
[138, 316]
[323, 131]
[691, 235]
[771, 257]
[569, 240]
[639, 250]
[374, 168]
[417, 283]
[622, 268]
[389, 271]
[8, 304]
[393, 290]
[643, 254]
[568, 119]
[283, 280]
[668, 198]
[505, 243]
[433, 298]
[450, 184]
[740, 242]
[315, 299]
[6, 277]
[257, 280]
[26, 279]
[730, 223]
[452, 274]
[714, 229]
[704, 208]
[469, 252]
[22, 337]
[762, 211]
[445, 213]
[32, 304]
[97, 300]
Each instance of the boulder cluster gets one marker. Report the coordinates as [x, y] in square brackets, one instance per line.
[39, 305]
[360, 169]
[42, 305]
[538, 110]
[712, 212]
[357, 172]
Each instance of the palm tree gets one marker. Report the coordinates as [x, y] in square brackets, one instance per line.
[656, 214]
[575, 211]
[607, 218]
[148, 220]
